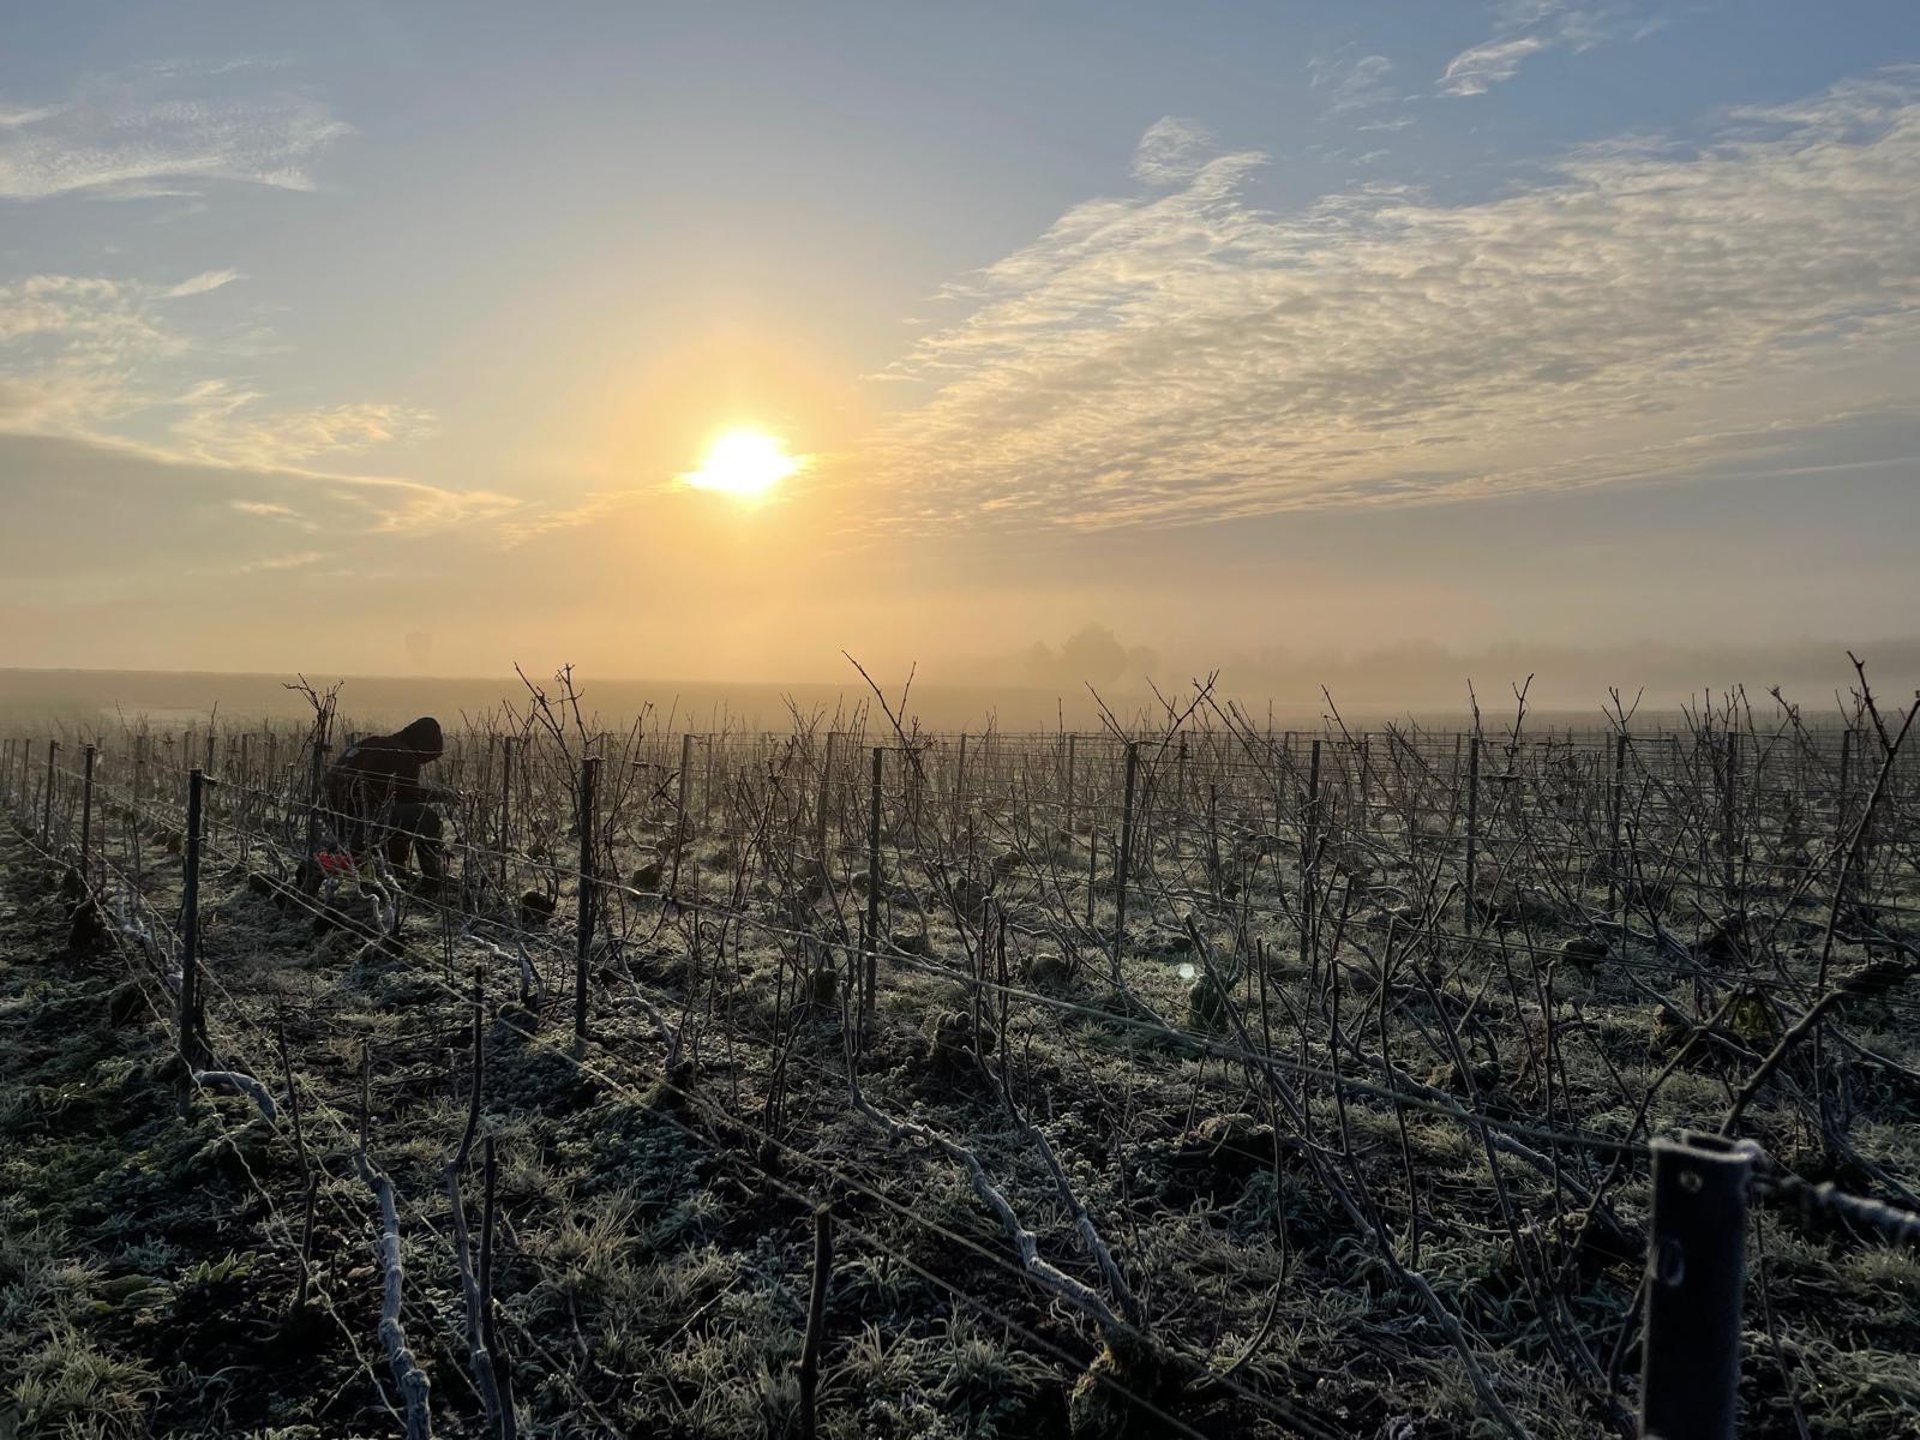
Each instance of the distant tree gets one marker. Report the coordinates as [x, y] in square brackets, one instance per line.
[1093, 654]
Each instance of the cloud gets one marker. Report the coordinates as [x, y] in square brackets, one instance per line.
[87, 313]
[1184, 355]
[12, 117]
[72, 347]
[396, 506]
[79, 357]
[163, 130]
[1527, 27]
[202, 284]
[1352, 84]
[78, 486]
[226, 424]
[280, 562]
[1170, 151]
[1478, 70]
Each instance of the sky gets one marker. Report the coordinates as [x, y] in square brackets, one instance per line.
[384, 338]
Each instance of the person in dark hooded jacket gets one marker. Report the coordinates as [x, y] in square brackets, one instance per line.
[376, 796]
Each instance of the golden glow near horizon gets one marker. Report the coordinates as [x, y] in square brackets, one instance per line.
[745, 464]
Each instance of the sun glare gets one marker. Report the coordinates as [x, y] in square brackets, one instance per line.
[746, 464]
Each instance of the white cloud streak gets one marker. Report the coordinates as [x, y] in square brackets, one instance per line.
[1479, 69]
[1352, 84]
[1184, 355]
[265, 509]
[77, 356]
[1528, 27]
[226, 424]
[157, 132]
[297, 561]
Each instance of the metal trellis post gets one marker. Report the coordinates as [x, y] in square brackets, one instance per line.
[589, 769]
[1696, 1258]
[46, 808]
[191, 1023]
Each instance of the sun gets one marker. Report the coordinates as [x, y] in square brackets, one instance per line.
[746, 464]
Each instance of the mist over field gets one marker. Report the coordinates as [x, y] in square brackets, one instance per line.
[1047, 687]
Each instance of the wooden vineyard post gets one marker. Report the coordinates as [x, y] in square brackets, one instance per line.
[1072, 747]
[46, 808]
[1843, 805]
[706, 787]
[873, 854]
[1616, 892]
[506, 807]
[139, 802]
[191, 1024]
[246, 803]
[682, 820]
[1309, 861]
[1690, 1343]
[583, 943]
[1473, 825]
[1126, 852]
[825, 807]
[960, 785]
[86, 815]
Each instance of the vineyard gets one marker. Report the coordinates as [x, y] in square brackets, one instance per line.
[1186, 1078]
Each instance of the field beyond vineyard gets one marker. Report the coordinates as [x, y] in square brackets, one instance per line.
[1193, 1078]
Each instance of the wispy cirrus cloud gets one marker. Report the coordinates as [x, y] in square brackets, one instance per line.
[162, 130]
[296, 561]
[73, 348]
[1477, 70]
[225, 422]
[265, 510]
[1524, 28]
[1185, 355]
[90, 358]
[1351, 82]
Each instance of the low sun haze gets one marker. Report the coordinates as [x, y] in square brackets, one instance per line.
[715, 341]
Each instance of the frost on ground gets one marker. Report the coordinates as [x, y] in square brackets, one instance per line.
[1065, 1197]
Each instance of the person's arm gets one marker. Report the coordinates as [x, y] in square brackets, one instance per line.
[409, 788]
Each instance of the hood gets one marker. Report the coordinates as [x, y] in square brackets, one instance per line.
[422, 737]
